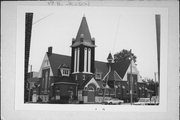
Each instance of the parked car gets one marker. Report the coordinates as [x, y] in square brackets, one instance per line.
[142, 101]
[154, 101]
[113, 101]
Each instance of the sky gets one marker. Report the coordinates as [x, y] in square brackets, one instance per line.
[114, 29]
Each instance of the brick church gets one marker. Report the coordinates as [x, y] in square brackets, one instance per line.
[82, 79]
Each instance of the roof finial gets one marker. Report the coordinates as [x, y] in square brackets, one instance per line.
[110, 58]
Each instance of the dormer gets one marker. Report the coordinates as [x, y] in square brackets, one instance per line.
[64, 70]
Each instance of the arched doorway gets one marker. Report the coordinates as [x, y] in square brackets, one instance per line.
[91, 93]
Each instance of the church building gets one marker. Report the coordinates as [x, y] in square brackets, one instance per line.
[80, 79]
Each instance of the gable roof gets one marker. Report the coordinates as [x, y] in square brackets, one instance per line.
[83, 84]
[56, 60]
[100, 83]
[117, 71]
[93, 81]
[112, 75]
[121, 67]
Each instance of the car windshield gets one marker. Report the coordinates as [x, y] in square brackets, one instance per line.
[107, 98]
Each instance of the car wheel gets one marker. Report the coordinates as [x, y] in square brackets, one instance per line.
[119, 103]
[110, 103]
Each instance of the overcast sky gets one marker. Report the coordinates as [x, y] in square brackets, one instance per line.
[113, 28]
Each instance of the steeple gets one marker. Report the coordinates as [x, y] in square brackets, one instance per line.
[83, 53]
[110, 58]
[83, 36]
[83, 31]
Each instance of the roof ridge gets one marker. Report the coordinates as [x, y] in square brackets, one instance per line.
[61, 54]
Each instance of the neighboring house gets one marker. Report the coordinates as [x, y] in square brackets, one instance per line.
[32, 81]
[32, 84]
[79, 77]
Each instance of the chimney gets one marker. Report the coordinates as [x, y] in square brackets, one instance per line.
[49, 50]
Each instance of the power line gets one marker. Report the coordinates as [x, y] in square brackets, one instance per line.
[116, 34]
[42, 18]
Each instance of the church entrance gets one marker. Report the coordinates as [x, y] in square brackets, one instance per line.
[91, 95]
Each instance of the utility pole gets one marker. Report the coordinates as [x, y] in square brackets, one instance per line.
[131, 92]
[155, 85]
[131, 78]
[115, 90]
[31, 76]
[158, 38]
[106, 80]
[158, 88]
[104, 87]
[104, 90]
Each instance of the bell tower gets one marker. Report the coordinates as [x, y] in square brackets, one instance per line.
[83, 52]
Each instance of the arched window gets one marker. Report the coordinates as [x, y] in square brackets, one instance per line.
[78, 54]
[85, 59]
[89, 60]
[75, 59]
[90, 88]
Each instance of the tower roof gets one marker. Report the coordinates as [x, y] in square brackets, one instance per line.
[83, 36]
[110, 57]
[83, 30]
